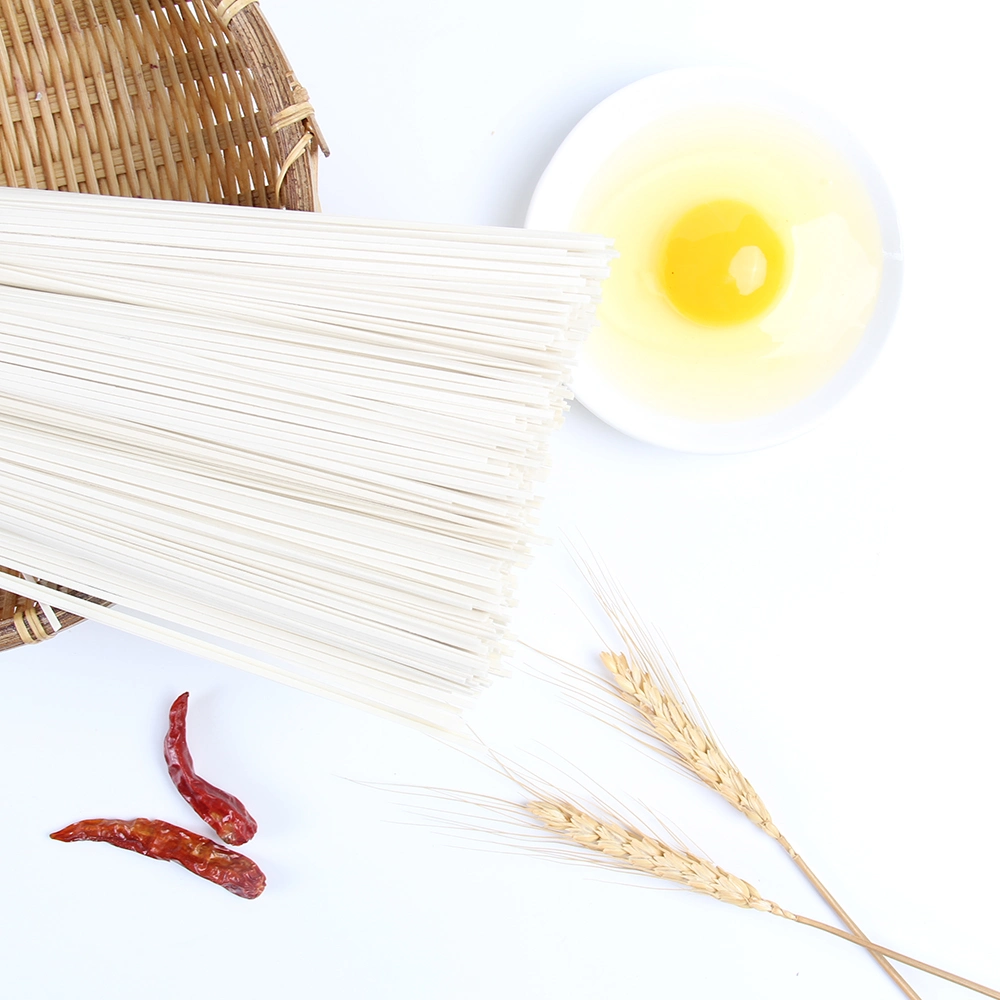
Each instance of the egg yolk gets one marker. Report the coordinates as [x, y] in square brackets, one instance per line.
[723, 264]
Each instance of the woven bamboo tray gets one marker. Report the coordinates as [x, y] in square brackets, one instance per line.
[185, 100]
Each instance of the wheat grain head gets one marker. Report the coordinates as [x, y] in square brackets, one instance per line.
[689, 743]
[632, 850]
[647, 678]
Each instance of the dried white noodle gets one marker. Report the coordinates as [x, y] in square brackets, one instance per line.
[303, 445]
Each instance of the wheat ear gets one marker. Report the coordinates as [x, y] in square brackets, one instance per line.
[696, 750]
[646, 681]
[632, 850]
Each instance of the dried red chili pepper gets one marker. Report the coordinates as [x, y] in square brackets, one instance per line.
[223, 812]
[166, 842]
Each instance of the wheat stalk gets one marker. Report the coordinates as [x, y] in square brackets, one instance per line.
[632, 850]
[645, 681]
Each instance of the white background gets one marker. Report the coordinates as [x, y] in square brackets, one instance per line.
[833, 600]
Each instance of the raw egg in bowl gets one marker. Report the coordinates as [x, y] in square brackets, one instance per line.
[759, 259]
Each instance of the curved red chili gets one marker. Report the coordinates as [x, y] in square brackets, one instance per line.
[223, 812]
[166, 842]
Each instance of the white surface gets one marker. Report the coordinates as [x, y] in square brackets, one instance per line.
[833, 600]
[616, 121]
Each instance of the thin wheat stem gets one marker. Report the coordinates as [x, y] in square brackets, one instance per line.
[629, 849]
[889, 953]
[830, 901]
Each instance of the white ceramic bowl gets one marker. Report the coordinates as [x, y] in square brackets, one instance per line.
[615, 121]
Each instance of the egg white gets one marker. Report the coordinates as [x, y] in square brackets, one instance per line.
[813, 201]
